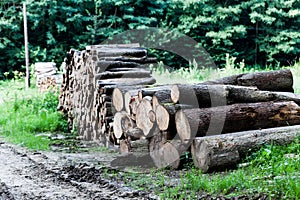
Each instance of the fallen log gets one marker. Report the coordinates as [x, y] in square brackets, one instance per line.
[203, 96]
[280, 80]
[151, 91]
[191, 123]
[114, 52]
[122, 74]
[127, 81]
[222, 151]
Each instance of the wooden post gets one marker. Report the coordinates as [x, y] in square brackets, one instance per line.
[27, 79]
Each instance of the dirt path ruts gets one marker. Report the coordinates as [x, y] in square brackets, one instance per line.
[42, 175]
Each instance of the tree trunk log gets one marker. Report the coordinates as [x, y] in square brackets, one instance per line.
[151, 91]
[201, 96]
[127, 81]
[122, 74]
[232, 118]
[222, 151]
[128, 52]
[281, 80]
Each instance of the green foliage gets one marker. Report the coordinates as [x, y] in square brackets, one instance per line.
[24, 117]
[261, 33]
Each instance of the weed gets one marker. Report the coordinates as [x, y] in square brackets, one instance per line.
[25, 114]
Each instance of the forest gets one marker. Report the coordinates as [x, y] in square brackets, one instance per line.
[260, 33]
[142, 121]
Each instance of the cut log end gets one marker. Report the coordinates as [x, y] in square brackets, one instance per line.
[162, 118]
[119, 123]
[118, 101]
[166, 156]
[142, 116]
[175, 93]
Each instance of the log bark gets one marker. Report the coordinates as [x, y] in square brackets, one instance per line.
[203, 96]
[129, 70]
[215, 95]
[280, 80]
[222, 151]
[151, 91]
[122, 74]
[136, 147]
[233, 118]
[141, 60]
[128, 52]
[134, 133]
[127, 81]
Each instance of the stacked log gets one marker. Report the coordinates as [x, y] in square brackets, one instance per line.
[46, 75]
[89, 79]
[108, 94]
[170, 117]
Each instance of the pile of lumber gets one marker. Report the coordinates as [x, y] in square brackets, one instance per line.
[168, 121]
[88, 82]
[46, 75]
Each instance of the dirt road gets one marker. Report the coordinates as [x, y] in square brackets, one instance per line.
[48, 175]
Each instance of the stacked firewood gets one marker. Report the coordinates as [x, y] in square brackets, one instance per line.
[167, 121]
[46, 75]
[88, 82]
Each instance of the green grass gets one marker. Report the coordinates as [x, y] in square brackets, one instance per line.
[25, 114]
[273, 171]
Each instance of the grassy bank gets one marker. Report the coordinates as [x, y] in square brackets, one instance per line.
[26, 115]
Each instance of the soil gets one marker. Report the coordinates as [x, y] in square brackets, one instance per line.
[57, 175]
[83, 174]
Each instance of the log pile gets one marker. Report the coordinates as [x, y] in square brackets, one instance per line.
[109, 95]
[88, 82]
[173, 118]
[46, 75]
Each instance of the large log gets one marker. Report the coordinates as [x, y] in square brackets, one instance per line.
[127, 81]
[154, 90]
[113, 52]
[222, 151]
[142, 60]
[233, 118]
[102, 66]
[122, 74]
[280, 80]
[203, 96]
